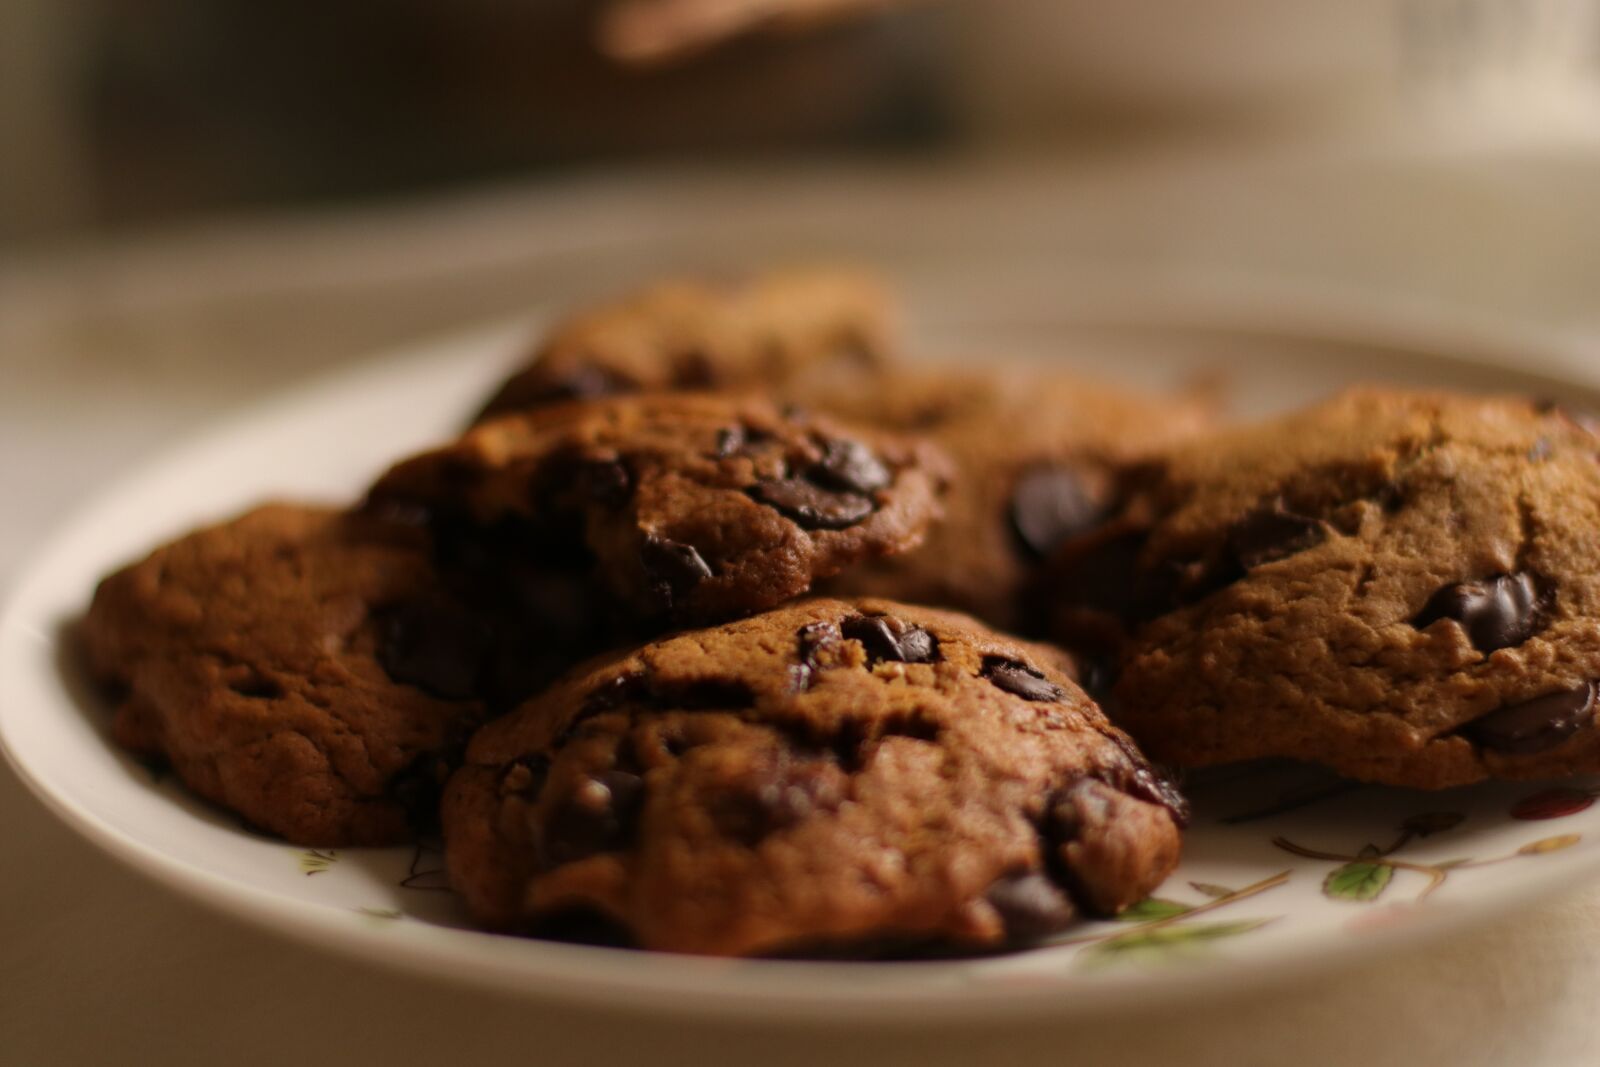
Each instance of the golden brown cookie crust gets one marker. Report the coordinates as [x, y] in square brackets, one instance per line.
[249, 657]
[829, 776]
[1403, 586]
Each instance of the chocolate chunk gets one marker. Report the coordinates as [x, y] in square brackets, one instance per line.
[537, 387]
[748, 815]
[1049, 505]
[1139, 779]
[813, 638]
[1031, 905]
[850, 466]
[729, 441]
[1020, 679]
[434, 646]
[673, 568]
[1499, 612]
[887, 638]
[1534, 725]
[1273, 533]
[812, 506]
[600, 815]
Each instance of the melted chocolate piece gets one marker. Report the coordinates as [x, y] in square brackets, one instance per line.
[888, 638]
[730, 440]
[777, 803]
[1499, 612]
[1144, 782]
[1535, 725]
[851, 467]
[1031, 905]
[810, 505]
[1020, 679]
[1273, 533]
[600, 815]
[673, 568]
[1048, 506]
[434, 646]
[812, 638]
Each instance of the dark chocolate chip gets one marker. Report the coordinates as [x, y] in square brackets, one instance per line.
[1499, 612]
[1048, 506]
[850, 466]
[748, 815]
[673, 568]
[1273, 533]
[1534, 725]
[812, 638]
[1020, 679]
[888, 638]
[435, 646]
[730, 440]
[812, 506]
[600, 815]
[1031, 905]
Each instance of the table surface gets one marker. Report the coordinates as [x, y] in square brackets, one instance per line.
[107, 354]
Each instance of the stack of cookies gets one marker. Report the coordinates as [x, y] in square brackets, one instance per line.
[698, 639]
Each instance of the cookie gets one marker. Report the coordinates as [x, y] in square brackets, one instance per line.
[1402, 586]
[279, 663]
[827, 778]
[767, 331]
[1040, 455]
[680, 508]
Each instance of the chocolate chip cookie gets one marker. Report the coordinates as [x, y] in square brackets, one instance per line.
[832, 777]
[1039, 456]
[680, 508]
[287, 665]
[1403, 586]
[768, 331]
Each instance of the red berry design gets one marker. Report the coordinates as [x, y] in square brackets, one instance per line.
[1552, 804]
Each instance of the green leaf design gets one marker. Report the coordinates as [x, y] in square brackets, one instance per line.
[1357, 880]
[315, 861]
[1211, 890]
[1150, 909]
[1164, 943]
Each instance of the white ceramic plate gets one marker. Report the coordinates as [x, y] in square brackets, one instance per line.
[1351, 874]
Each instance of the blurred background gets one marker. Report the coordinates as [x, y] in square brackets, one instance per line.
[125, 115]
[203, 201]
